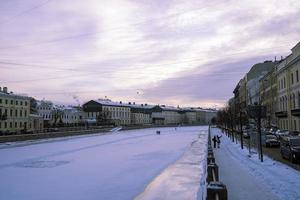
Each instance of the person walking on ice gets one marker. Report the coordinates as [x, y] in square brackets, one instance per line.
[214, 141]
[218, 140]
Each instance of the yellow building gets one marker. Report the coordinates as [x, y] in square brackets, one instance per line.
[14, 111]
[288, 84]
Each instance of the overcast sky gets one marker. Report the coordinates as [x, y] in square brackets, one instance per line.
[149, 51]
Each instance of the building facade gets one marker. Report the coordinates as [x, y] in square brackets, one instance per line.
[107, 111]
[140, 113]
[288, 104]
[14, 112]
[268, 96]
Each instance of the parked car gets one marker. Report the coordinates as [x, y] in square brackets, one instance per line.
[281, 133]
[290, 148]
[247, 131]
[294, 133]
[272, 130]
[271, 141]
[246, 135]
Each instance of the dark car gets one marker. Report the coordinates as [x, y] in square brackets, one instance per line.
[290, 148]
[271, 141]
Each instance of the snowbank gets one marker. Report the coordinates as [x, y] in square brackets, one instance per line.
[184, 179]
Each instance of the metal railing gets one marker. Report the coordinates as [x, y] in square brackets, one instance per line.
[216, 190]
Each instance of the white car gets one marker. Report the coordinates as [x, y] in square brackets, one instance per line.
[281, 133]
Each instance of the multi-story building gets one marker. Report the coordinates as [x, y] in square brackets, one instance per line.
[72, 115]
[288, 83]
[188, 115]
[165, 115]
[45, 110]
[257, 71]
[14, 112]
[107, 111]
[268, 97]
[140, 113]
[200, 116]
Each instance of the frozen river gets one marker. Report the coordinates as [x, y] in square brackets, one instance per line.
[114, 166]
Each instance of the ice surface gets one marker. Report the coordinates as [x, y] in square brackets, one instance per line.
[183, 180]
[110, 167]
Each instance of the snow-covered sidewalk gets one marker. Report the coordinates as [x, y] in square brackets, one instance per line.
[247, 178]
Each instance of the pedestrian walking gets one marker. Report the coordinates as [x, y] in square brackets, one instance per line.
[218, 140]
[214, 141]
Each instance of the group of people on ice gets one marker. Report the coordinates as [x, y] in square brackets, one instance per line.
[216, 140]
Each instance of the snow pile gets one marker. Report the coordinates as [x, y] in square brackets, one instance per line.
[185, 179]
[278, 178]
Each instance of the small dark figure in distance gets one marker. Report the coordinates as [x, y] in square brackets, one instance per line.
[158, 132]
[214, 141]
[218, 140]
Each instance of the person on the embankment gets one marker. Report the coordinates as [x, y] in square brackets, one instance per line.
[218, 140]
[214, 141]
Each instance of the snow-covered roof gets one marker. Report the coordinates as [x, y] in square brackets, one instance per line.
[143, 106]
[12, 95]
[109, 102]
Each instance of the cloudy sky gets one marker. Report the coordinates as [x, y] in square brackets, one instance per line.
[176, 52]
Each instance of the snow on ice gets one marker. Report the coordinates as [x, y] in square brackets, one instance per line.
[110, 167]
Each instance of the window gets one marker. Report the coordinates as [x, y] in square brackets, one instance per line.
[292, 78]
[25, 103]
[21, 113]
[6, 101]
[10, 124]
[11, 112]
[16, 125]
[284, 82]
[297, 76]
[17, 102]
[16, 113]
[294, 101]
[298, 99]
[11, 102]
[5, 124]
[21, 103]
[1, 101]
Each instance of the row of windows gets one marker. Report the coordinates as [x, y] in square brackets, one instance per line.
[13, 102]
[294, 101]
[115, 109]
[13, 113]
[284, 124]
[45, 116]
[296, 76]
[294, 79]
[13, 125]
[44, 108]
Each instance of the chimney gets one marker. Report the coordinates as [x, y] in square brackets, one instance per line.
[129, 103]
[146, 104]
[5, 89]
[120, 102]
[142, 105]
[133, 103]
